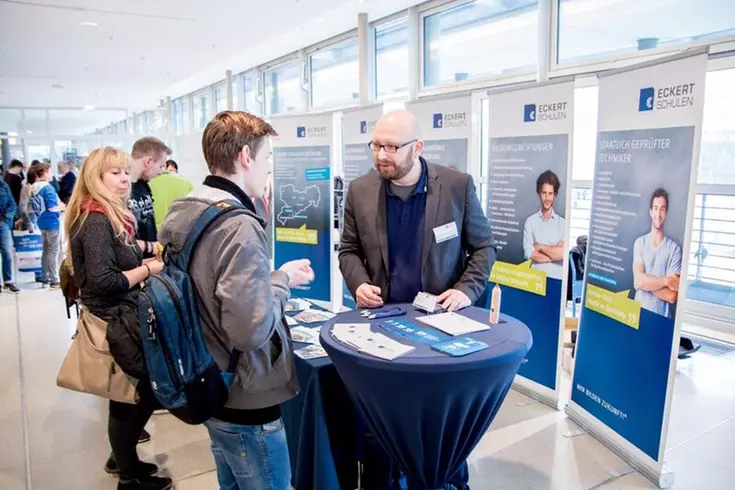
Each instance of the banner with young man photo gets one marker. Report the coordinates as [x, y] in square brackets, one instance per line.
[528, 206]
[649, 129]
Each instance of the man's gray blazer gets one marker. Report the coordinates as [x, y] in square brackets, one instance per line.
[461, 263]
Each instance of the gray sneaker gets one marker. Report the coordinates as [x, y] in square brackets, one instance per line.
[55, 285]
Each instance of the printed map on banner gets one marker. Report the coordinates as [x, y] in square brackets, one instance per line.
[297, 202]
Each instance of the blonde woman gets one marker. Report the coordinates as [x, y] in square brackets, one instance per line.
[108, 264]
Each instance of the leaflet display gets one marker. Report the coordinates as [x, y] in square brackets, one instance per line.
[446, 127]
[647, 148]
[302, 213]
[528, 207]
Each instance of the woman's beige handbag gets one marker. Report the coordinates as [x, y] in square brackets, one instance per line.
[89, 367]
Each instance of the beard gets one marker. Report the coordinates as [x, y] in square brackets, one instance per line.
[390, 170]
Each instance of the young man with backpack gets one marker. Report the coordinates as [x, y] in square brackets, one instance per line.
[240, 302]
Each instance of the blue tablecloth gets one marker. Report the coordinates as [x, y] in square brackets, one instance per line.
[429, 410]
[320, 427]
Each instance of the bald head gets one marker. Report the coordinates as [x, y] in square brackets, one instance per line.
[398, 134]
[399, 122]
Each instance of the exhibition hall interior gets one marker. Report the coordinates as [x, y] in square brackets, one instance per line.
[367, 244]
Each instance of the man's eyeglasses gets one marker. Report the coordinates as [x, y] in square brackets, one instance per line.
[375, 147]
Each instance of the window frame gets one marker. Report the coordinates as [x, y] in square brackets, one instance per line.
[273, 65]
[333, 42]
[375, 25]
[472, 83]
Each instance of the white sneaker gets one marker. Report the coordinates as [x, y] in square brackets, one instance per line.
[162, 411]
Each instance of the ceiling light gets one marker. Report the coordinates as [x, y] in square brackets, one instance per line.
[88, 107]
[87, 23]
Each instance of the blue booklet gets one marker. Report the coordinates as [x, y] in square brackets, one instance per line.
[414, 333]
[460, 347]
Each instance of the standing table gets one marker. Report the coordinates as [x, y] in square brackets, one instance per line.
[429, 410]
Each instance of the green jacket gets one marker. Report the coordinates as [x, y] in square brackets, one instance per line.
[166, 189]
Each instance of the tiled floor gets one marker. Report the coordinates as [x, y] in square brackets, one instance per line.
[526, 448]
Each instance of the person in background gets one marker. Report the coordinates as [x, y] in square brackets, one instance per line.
[28, 218]
[452, 252]
[149, 160]
[241, 303]
[8, 208]
[47, 209]
[68, 173]
[166, 188]
[172, 167]
[108, 264]
[14, 179]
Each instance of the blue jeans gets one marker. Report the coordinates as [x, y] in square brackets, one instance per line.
[250, 457]
[6, 251]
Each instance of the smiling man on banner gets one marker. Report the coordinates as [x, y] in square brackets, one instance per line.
[657, 262]
[543, 233]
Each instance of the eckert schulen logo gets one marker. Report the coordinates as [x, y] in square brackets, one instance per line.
[662, 98]
[312, 132]
[367, 127]
[450, 120]
[544, 112]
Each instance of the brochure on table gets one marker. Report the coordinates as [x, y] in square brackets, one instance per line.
[303, 198]
[528, 205]
[649, 130]
[358, 126]
[446, 127]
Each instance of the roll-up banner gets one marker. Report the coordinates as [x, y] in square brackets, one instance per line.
[446, 126]
[358, 126]
[649, 130]
[529, 195]
[303, 198]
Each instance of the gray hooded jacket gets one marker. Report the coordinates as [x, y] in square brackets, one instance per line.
[240, 301]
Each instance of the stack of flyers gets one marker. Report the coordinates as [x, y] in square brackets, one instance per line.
[291, 322]
[305, 335]
[360, 337]
[313, 316]
[296, 304]
[453, 323]
[311, 352]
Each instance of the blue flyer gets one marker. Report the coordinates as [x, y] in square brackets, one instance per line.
[460, 347]
[415, 333]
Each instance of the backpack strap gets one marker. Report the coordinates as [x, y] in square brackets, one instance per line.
[201, 225]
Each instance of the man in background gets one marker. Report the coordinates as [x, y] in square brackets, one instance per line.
[68, 180]
[657, 262]
[8, 207]
[167, 188]
[543, 233]
[149, 160]
[172, 167]
[14, 178]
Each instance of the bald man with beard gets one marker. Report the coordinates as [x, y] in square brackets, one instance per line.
[413, 226]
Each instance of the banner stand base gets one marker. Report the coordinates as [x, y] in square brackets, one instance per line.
[663, 479]
[538, 392]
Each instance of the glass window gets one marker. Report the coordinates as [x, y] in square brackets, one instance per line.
[10, 121]
[220, 99]
[335, 74]
[585, 133]
[717, 152]
[505, 33]
[595, 28]
[182, 121]
[202, 108]
[35, 121]
[580, 214]
[140, 124]
[250, 94]
[391, 58]
[282, 88]
[712, 260]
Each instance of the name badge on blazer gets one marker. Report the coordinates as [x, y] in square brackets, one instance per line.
[446, 232]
